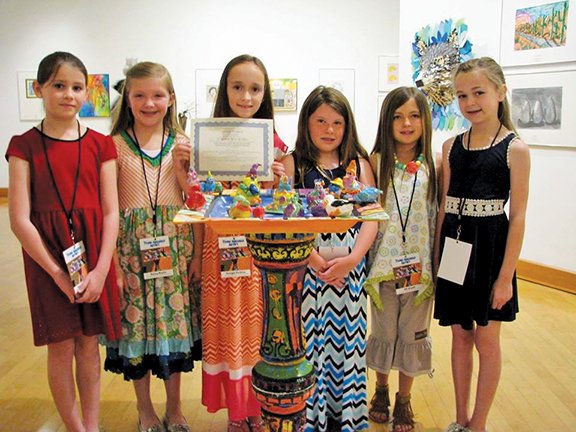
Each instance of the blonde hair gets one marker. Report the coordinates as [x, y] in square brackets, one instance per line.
[495, 75]
[385, 142]
[122, 114]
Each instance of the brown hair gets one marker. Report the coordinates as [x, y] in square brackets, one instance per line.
[50, 64]
[222, 107]
[385, 142]
[305, 150]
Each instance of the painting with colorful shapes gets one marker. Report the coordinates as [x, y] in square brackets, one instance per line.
[98, 101]
[436, 50]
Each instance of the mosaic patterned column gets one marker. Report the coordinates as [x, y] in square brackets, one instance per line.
[283, 380]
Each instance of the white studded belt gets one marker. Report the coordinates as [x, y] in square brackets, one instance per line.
[475, 207]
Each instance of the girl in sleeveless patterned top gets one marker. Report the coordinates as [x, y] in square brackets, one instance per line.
[403, 163]
[334, 301]
[156, 258]
[483, 167]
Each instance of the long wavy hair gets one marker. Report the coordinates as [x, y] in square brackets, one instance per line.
[122, 114]
[385, 142]
[305, 151]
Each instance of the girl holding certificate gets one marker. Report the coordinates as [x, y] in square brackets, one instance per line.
[401, 260]
[327, 147]
[156, 257]
[232, 307]
[64, 211]
[483, 167]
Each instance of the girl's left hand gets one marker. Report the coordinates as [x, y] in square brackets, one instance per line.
[91, 288]
[501, 293]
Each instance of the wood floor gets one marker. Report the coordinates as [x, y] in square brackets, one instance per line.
[537, 391]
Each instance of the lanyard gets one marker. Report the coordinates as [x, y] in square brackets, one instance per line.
[60, 200]
[153, 205]
[404, 223]
[463, 199]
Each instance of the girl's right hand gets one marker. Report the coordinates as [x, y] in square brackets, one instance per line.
[62, 279]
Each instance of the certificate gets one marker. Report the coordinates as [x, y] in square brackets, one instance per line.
[229, 147]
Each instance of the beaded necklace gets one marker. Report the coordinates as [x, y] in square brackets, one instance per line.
[411, 167]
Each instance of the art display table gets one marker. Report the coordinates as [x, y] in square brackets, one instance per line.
[283, 380]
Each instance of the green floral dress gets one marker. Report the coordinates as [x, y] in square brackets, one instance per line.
[160, 316]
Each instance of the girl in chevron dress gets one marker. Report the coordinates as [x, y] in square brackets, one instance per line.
[160, 323]
[400, 277]
[334, 301]
[232, 307]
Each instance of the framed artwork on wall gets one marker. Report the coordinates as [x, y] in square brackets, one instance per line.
[537, 31]
[207, 81]
[284, 93]
[388, 76]
[30, 106]
[340, 79]
[542, 107]
[98, 102]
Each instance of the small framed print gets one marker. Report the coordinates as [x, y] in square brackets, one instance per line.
[29, 83]
[284, 93]
[388, 72]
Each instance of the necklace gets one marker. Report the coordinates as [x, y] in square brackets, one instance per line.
[153, 204]
[412, 167]
[76, 177]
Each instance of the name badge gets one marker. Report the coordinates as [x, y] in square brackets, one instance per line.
[156, 257]
[234, 257]
[77, 264]
[409, 268]
[455, 260]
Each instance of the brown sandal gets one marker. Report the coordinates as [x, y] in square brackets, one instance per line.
[380, 405]
[403, 415]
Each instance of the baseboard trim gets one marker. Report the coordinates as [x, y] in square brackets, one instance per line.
[3, 192]
[548, 276]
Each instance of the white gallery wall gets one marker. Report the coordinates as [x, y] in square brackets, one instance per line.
[550, 237]
[294, 39]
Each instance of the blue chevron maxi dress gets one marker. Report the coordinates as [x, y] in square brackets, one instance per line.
[335, 331]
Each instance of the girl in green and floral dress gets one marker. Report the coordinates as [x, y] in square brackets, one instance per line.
[156, 258]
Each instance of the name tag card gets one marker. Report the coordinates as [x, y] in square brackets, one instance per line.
[234, 257]
[409, 268]
[455, 260]
[76, 262]
[156, 257]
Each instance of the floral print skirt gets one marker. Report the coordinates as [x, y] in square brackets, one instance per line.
[160, 316]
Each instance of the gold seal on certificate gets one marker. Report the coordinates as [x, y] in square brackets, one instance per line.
[227, 147]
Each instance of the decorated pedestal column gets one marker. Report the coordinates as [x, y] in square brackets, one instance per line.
[283, 380]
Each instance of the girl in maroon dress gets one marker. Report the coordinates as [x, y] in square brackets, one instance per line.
[63, 198]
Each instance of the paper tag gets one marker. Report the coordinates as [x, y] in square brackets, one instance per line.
[331, 252]
[156, 257]
[455, 260]
[409, 268]
[76, 262]
[234, 257]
